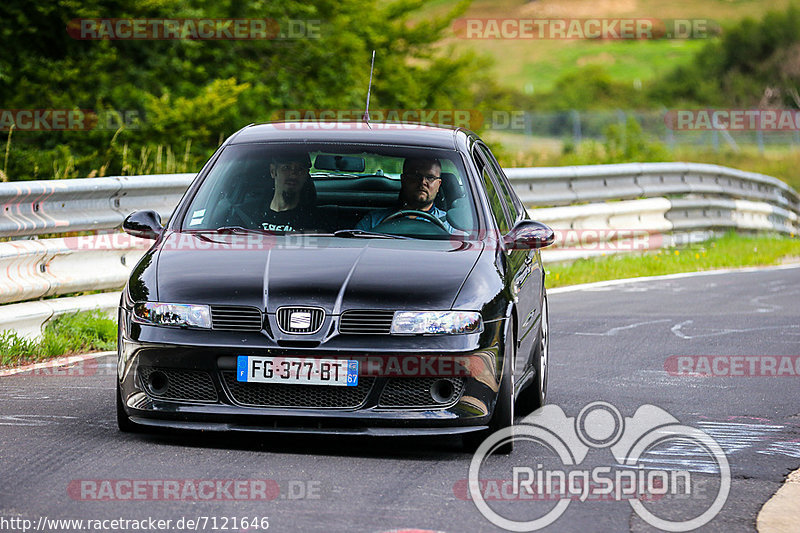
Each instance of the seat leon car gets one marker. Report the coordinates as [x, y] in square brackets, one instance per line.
[340, 278]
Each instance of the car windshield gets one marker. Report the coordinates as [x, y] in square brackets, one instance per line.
[353, 191]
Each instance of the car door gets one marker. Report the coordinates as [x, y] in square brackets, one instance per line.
[517, 265]
[527, 266]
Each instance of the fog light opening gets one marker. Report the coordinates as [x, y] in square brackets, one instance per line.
[442, 391]
[158, 382]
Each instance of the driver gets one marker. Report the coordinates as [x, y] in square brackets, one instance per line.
[419, 185]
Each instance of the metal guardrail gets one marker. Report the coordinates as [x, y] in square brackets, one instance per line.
[540, 186]
[28, 318]
[658, 198]
[60, 206]
[50, 267]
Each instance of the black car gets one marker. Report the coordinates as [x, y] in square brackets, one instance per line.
[342, 278]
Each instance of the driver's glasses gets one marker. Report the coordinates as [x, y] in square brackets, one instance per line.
[416, 176]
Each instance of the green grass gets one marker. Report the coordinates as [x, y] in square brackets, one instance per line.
[522, 64]
[728, 251]
[65, 335]
[625, 61]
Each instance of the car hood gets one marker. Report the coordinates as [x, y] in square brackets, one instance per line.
[329, 272]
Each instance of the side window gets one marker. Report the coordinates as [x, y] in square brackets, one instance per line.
[505, 187]
[495, 202]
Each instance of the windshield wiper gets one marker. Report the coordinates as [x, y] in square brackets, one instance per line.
[237, 229]
[361, 234]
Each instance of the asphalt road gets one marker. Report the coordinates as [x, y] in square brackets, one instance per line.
[59, 442]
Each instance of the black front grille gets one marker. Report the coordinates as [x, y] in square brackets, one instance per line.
[174, 384]
[311, 323]
[366, 322]
[416, 393]
[313, 396]
[235, 318]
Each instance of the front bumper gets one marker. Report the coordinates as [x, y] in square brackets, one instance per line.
[201, 391]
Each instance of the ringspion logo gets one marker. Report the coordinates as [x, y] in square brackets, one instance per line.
[556, 473]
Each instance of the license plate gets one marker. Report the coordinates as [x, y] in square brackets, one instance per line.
[297, 370]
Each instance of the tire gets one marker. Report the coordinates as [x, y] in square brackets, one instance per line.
[535, 395]
[503, 415]
[123, 421]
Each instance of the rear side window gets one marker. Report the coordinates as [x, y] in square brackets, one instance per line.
[503, 185]
[495, 201]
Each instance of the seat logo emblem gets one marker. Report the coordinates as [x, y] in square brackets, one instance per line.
[300, 320]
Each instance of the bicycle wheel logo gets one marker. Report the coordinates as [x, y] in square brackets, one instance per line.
[631, 441]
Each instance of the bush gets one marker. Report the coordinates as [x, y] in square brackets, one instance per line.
[623, 143]
[190, 94]
[752, 59]
[64, 335]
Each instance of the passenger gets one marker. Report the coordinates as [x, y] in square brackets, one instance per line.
[292, 207]
[419, 185]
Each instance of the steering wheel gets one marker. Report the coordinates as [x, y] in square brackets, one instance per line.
[408, 213]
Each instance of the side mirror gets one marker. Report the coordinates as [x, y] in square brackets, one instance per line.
[145, 224]
[529, 234]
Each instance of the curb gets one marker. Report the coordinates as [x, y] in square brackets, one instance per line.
[782, 512]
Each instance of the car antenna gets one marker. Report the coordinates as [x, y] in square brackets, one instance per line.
[369, 90]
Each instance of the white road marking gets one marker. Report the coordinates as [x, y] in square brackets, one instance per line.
[614, 331]
[789, 448]
[32, 420]
[780, 289]
[676, 329]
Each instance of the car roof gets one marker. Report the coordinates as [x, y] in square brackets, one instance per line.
[403, 134]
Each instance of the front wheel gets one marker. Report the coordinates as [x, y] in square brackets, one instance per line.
[503, 415]
[535, 395]
[123, 421]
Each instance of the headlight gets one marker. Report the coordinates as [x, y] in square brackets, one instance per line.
[176, 315]
[435, 322]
